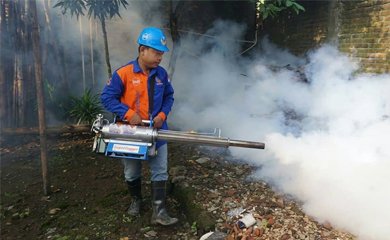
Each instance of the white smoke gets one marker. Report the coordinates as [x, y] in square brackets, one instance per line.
[327, 141]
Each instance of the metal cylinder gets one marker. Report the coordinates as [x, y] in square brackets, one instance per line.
[125, 131]
[171, 136]
[146, 134]
[192, 138]
[246, 144]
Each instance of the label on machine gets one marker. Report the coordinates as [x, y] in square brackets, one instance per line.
[125, 148]
[133, 151]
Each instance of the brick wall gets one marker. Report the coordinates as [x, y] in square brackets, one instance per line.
[299, 33]
[365, 34]
[360, 28]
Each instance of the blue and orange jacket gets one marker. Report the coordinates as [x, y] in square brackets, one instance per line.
[127, 92]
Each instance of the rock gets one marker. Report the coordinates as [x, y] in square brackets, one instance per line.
[51, 230]
[178, 179]
[151, 233]
[221, 180]
[177, 170]
[184, 184]
[280, 203]
[211, 209]
[202, 160]
[8, 224]
[239, 172]
[325, 234]
[214, 236]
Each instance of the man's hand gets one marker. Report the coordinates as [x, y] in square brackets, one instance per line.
[157, 122]
[136, 120]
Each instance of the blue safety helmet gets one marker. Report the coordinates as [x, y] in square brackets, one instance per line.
[154, 38]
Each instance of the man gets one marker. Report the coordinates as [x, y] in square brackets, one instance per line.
[127, 95]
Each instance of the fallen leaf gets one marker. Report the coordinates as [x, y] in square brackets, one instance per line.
[271, 222]
[46, 199]
[231, 192]
[226, 225]
[54, 211]
[213, 195]
[152, 233]
[261, 232]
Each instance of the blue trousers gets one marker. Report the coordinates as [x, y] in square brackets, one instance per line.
[158, 166]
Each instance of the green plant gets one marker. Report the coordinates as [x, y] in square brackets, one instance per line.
[145, 229]
[271, 8]
[84, 109]
[59, 237]
[25, 213]
[126, 219]
[194, 228]
[264, 223]
[112, 218]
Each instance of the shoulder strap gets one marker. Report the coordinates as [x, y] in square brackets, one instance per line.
[152, 82]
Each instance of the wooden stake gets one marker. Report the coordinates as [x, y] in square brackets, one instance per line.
[41, 103]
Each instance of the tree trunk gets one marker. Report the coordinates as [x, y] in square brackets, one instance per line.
[91, 43]
[175, 47]
[103, 21]
[18, 91]
[82, 52]
[174, 14]
[40, 96]
[19, 102]
[57, 52]
[3, 83]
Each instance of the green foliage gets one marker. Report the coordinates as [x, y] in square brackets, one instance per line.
[194, 228]
[84, 109]
[126, 219]
[75, 7]
[267, 8]
[105, 8]
[96, 8]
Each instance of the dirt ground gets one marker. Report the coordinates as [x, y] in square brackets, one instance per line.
[89, 199]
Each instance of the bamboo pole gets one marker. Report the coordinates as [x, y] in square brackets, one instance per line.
[90, 41]
[82, 52]
[40, 98]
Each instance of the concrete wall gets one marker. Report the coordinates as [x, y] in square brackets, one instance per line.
[360, 28]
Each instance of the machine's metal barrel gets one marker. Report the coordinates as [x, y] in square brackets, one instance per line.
[128, 132]
[171, 136]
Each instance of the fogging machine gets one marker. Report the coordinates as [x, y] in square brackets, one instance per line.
[123, 140]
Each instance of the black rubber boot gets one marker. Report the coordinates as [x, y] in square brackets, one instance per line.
[135, 192]
[160, 214]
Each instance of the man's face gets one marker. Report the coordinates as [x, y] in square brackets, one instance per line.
[150, 56]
